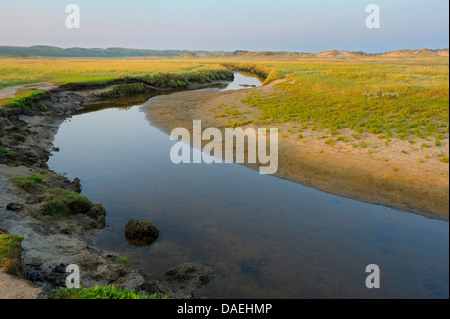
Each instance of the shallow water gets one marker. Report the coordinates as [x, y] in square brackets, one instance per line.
[265, 237]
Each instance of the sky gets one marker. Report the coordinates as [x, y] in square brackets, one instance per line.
[228, 25]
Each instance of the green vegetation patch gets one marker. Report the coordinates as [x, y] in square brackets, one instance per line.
[56, 209]
[28, 184]
[63, 201]
[403, 99]
[10, 254]
[24, 99]
[107, 292]
[444, 159]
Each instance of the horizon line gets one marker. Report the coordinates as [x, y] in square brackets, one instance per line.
[215, 51]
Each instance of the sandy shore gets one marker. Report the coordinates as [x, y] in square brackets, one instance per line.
[390, 175]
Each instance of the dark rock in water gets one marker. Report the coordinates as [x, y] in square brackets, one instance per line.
[14, 206]
[55, 149]
[188, 274]
[140, 233]
[182, 282]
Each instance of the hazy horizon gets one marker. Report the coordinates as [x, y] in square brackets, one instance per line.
[252, 25]
[212, 51]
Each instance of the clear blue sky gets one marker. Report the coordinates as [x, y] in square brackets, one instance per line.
[281, 25]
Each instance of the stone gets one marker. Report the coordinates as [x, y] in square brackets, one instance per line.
[141, 233]
[98, 214]
[14, 206]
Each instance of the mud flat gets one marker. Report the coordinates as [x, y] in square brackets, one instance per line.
[401, 182]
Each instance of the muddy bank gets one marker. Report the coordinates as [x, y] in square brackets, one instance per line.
[401, 183]
[26, 138]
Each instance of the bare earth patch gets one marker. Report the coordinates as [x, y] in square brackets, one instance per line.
[15, 288]
[11, 92]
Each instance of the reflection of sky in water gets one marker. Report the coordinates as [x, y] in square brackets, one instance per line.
[265, 236]
[241, 81]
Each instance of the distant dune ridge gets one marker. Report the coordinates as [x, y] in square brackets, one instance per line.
[326, 54]
[50, 51]
[423, 52]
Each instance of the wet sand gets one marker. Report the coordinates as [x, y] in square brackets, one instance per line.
[401, 182]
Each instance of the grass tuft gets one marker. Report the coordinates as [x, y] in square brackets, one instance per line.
[28, 184]
[10, 254]
[107, 292]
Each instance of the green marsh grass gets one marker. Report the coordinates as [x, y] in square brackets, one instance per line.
[106, 292]
[408, 97]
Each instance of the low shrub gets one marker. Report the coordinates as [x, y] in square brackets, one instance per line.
[76, 203]
[55, 208]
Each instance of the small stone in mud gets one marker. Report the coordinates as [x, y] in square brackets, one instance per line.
[139, 233]
[14, 206]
